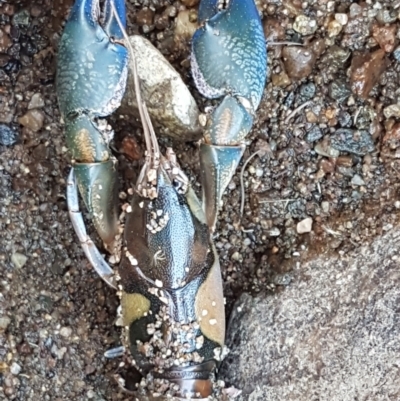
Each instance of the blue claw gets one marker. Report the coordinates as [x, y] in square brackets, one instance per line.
[229, 59]
[92, 69]
[229, 51]
[91, 78]
[111, 25]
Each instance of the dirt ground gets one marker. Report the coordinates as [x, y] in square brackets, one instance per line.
[327, 136]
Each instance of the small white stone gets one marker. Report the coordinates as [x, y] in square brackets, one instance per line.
[342, 18]
[65, 332]
[18, 260]
[204, 312]
[304, 25]
[212, 322]
[132, 259]
[392, 110]
[357, 180]
[304, 226]
[325, 206]
[36, 102]
[4, 323]
[274, 232]
[203, 120]
[15, 369]
[159, 283]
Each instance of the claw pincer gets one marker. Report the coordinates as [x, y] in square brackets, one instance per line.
[229, 60]
[91, 79]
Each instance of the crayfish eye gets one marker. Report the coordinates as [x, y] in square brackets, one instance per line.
[177, 184]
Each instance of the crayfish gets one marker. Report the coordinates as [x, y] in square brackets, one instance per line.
[169, 280]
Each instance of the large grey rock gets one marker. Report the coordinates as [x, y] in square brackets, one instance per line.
[171, 106]
[333, 334]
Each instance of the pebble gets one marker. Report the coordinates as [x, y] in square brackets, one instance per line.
[326, 165]
[345, 119]
[36, 102]
[58, 352]
[7, 9]
[396, 53]
[283, 279]
[274, 30]
[15, 369]
[344, 161]
[36, 11]
[314, 134]
[358, 142]
[298, 61]
[386, 16]
[259, 172]
[4, 323]
[325, 206]
[339, 90]
[145, 16]
[33, 120]
[170, 104]
[282, 79]
[392, 110]
[355, 10]
[184, 27]
[336, 56]
[8, 136]
[304, 25]
[307, 92]
[246, 242]
[18, 260]
[366, 70]
[21, 18]
[311, 117]
[130, 148]
[304, 226]
[385, 36]
[364, 117]
[66, 332]
[232, 185]
[392, 137]
[357, 180]
[5, 41]
[334, 28]
[274, 232]
[341, 18]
